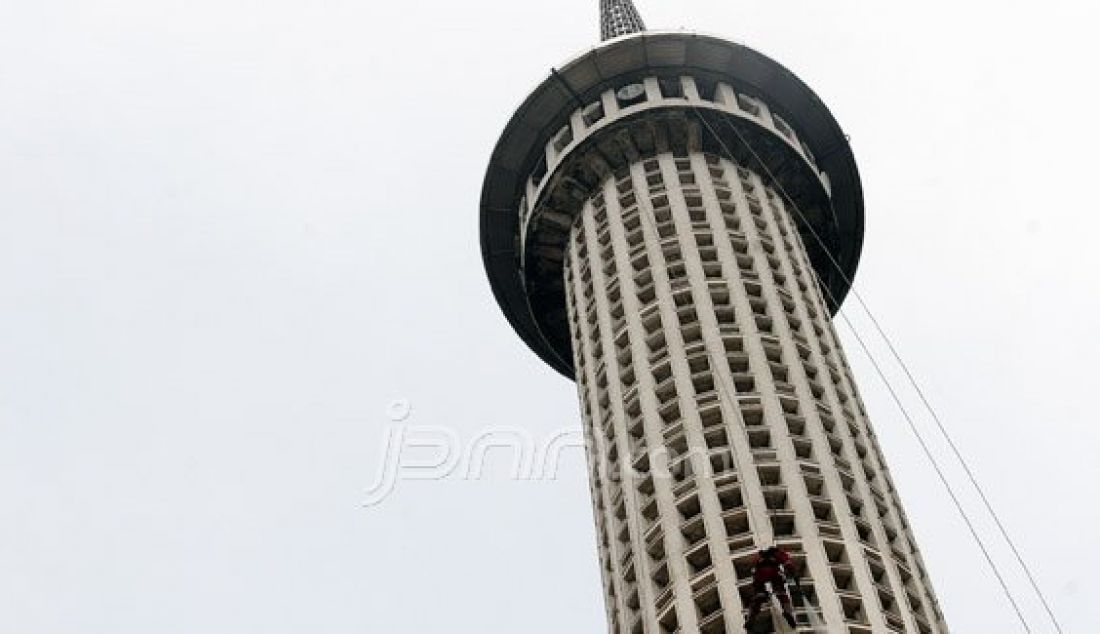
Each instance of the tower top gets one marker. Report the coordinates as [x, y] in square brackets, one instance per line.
[619, 17]
[582, 125]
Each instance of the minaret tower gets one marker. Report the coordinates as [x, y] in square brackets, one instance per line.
[670, 219]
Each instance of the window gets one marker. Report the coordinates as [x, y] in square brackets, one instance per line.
[707, 89]
[748, 104]
[593, 113]
[672, 88]
[563, 138]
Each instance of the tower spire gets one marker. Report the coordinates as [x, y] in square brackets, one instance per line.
[619, 17]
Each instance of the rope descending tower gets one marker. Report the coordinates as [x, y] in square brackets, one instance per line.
[639, 231]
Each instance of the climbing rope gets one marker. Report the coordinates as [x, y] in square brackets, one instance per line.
[942, 428]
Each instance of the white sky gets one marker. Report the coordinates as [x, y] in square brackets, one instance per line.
[233, 232]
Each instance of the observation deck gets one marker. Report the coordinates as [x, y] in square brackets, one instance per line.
[624, 100]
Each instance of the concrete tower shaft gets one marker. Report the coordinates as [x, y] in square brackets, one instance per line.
[670, 219]
[720, 411]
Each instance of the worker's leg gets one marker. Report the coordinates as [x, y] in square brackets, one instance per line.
[759, 598]
[779, 586]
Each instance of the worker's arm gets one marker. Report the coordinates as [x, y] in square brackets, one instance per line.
[791, 566]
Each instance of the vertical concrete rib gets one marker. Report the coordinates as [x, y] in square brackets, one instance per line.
[665, 528]
[596, 444]
[624, 480]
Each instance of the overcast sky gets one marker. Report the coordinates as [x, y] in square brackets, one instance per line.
[235, 232]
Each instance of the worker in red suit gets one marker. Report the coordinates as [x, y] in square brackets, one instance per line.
[772, 566]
